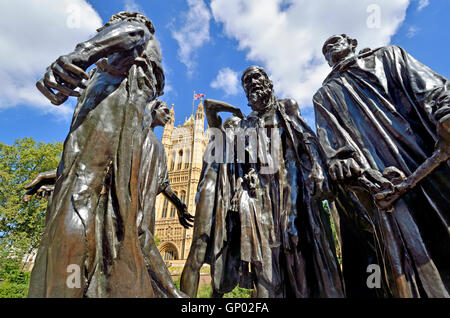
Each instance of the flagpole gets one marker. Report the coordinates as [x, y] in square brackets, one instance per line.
[193, 99]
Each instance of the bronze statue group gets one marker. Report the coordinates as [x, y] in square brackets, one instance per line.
[379, 158]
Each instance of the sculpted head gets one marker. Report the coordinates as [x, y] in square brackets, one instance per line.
[130, 17]
[338, 47]
[258, 88]
[160, 113]
[152, 52]
[231, 122]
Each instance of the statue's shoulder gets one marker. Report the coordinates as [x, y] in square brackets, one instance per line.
[288, 103]
[388, 50]
[321, 90]
[289, 106]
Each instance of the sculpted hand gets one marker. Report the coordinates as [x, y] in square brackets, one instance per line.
[316, 180]
[42, 186]
[141, 90]
[185, 217]
[147, 68]
[63, 76]
[341, 169]
[442, 116]
[443, 130]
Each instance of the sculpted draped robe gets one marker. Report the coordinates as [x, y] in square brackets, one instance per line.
[303, 253]
[91, 229]
[286, 231]
[153, 180]
[380, 106]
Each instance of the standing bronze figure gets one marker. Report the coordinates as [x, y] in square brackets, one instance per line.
[95, 220]
[270, 219]
[376, 110]
[213, 222]
[153, 180]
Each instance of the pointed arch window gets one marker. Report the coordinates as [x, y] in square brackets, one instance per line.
[172, 164]
[168, 255]
[188, 159]
[164, 210]
[180, 159]
[172, 209]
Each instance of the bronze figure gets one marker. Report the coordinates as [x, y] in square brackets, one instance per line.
[153, 180]
[380, 113]
[212, 204]
[380, 157]
[99, 219]
[265, 225]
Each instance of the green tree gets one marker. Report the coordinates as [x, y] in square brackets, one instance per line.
[157, 240]
[21, 223]
[237, 292]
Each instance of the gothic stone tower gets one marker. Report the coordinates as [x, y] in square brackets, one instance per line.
[184, 146]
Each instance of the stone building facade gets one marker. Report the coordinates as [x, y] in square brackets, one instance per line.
[184, 146]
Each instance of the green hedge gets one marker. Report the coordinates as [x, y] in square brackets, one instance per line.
[10, 289]
[13, 280]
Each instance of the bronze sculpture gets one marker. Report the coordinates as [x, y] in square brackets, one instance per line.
[283, 189]
[380, 109]
[260, 219]
[216, 184]
[98, 220]
[153, 180]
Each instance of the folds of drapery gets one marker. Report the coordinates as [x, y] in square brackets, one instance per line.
[303, 264]
[380, 105]
[93, 213]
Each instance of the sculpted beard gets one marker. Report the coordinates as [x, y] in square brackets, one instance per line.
[260, 94]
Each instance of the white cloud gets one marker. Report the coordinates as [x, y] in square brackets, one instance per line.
[193, 34]
[412, 31]
[423, 4]
[33, 34]
[132, 6]
[227, 80]
[286, 36]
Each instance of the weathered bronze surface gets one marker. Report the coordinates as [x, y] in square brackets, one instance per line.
[380, 157]
[260, 221]
[100, 218]
[377, 110]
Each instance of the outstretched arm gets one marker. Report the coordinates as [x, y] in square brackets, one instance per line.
[213, 107]
[183, 215]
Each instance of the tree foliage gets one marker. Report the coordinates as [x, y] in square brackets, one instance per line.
[21, 223]
[238, 292]
[205, 291]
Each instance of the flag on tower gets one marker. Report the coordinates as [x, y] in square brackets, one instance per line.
[197, 96]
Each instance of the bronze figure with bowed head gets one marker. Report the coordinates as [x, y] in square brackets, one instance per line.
[153, 180]
[379, 115]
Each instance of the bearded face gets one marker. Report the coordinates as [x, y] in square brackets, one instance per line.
[258, 89]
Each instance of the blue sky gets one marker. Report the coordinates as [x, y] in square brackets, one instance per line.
[206, 45]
